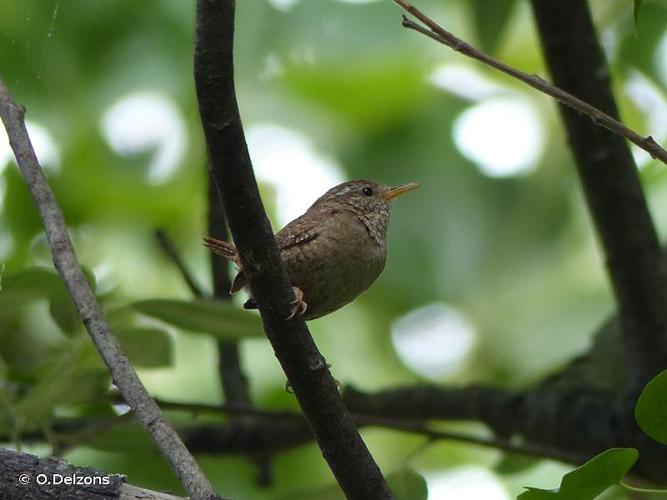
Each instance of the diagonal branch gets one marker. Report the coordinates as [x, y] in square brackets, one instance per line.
[307, 371]
[599, 117]
[608, 174]
[607, 171]
[169, 249]
[64, 258]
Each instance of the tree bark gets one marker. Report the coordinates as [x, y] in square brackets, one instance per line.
[307, 371]
[609, 177]
[26, 477]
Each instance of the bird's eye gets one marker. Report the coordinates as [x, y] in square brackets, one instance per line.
[367, 191]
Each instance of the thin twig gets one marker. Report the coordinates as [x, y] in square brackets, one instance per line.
[611, 184]
[599, 117]
[65, 260]
[170, 251]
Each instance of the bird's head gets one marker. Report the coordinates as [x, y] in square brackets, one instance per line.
[363, 196]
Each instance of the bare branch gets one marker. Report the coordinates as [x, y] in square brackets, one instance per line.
[614, 194]
[170, 251]
[26, 476]
[233, 380]
[438, 33]
[64, 258]
[413, 426]
[307, 371]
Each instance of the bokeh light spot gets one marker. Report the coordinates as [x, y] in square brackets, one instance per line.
[661, 59]
[503, 136]
[145, 121]
[648, 98]
[466, 483]
[288, 160]
[282, 4]
[434, 340]
[42, 141]
[464, 81]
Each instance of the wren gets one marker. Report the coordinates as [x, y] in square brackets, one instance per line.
[335, 251]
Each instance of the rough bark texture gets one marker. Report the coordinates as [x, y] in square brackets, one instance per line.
[340, 442]
[26, 477]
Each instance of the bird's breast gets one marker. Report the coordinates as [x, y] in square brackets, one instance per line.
[335, 268]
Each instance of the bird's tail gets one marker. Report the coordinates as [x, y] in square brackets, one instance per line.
[223, 249]
[228, 251]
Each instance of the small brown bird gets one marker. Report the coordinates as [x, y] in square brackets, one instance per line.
[333, 252]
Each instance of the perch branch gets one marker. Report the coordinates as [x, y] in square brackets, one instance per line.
[307, 371]
[65, 261]
[599, 117]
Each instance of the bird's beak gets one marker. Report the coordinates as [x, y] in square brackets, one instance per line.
[397, 191]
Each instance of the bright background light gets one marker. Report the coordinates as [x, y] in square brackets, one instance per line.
[43, 143]
[434, 340]
[143, 122]
[650, 101]
[466, 483]
[290, 163]
[503, 136]
[465, 81]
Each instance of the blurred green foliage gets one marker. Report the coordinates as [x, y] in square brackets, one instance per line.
[588, 481]
[515, 255]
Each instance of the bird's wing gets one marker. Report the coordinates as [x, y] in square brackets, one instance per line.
[298, 232]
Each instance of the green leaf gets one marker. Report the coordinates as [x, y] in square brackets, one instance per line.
[591, 479]
[651, 408]
[64, 379]
[34, 279]
[490, 20]
[64, 312]
[146, 347]
[31, 283]
[513, 464]
[220, 319]
[42, 282]
[406, 484]
[128, 438]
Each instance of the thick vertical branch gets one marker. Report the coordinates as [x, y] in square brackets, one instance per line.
[611, 184]
[340, 442]
[233, 380]
[65, 261]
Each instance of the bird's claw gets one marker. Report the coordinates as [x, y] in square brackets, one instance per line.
[300, 306]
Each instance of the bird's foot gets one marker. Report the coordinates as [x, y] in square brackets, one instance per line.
[300, 306]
